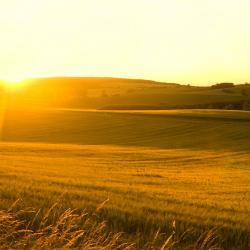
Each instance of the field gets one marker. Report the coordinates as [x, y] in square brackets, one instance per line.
[154, 167]
[115, 93]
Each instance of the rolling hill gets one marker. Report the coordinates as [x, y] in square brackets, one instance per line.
[118, 93]
[153, 167]
[71, 141]
[162, 129]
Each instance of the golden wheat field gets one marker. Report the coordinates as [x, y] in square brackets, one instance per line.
[124, 125]
[151, 169]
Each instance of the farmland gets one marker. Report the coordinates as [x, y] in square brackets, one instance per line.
[152, 166]
[115, 93]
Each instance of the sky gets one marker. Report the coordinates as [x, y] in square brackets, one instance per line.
[186, 41]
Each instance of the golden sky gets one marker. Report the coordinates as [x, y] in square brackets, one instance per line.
[185, 41]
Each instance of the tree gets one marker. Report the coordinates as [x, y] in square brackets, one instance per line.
[223, 85]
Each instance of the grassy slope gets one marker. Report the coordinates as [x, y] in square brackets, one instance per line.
[169, 129]
[192, 166]
[103, 92]
[147, 188]
[155, 166]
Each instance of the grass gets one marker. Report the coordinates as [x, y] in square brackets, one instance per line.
[159, 129]
[55, 230]
[188, 167]
[72, 229]
[105, 92]
[147, 190]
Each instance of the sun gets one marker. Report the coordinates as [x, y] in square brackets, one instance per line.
[13, 82]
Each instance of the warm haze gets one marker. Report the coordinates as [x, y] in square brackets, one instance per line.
[124, 124]
[196, 42]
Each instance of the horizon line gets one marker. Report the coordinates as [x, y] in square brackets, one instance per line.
[113, 77]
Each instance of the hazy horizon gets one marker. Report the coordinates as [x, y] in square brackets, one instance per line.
[118, 77]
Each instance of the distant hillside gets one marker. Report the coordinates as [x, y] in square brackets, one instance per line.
[119, 93]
